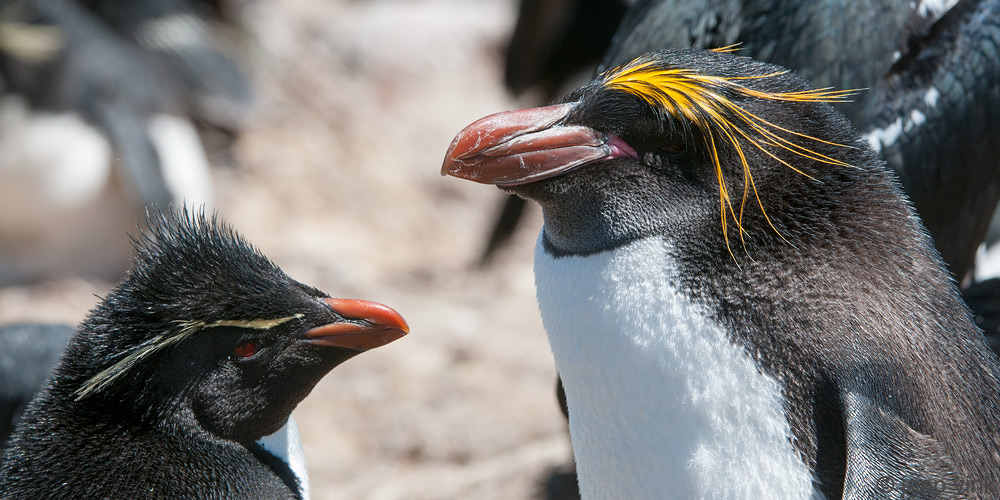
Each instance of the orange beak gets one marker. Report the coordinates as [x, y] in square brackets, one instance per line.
[367, 325]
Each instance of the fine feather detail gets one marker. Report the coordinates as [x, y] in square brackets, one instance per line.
[705, 102]
[181, 332]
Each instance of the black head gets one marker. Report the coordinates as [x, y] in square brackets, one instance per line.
[686, 142]
[205, 331]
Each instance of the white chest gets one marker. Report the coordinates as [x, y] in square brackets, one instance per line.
[287, 445]
[662, 404]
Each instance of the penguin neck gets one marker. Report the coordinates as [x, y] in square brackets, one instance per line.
[588, 226]
[654, 384]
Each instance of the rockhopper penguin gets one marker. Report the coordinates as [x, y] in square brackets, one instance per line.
[202, 350]
[740, 301]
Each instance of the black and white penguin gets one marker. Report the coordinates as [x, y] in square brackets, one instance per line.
[93, 128]
[174, 380]
[740, 301]
[63, 59]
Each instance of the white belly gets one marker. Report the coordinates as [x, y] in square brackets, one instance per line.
[662, 404]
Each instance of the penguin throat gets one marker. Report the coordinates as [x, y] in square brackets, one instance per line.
[586, 231]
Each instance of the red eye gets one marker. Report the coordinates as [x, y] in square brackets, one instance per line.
[245, 350]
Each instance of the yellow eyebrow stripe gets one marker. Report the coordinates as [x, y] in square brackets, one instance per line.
[173, 336]
[256, 324]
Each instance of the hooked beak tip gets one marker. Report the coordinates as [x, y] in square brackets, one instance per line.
[376, 325]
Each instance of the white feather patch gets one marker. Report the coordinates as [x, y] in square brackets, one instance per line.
[173, 33]
[53, 156]
[182, 158]
[287, 445]
[662, 404]
[934, 9]
[931, 97]
[886, 136]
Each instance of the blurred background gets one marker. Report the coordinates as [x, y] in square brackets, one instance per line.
[317, 129]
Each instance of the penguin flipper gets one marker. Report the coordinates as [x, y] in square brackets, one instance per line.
[886, 458]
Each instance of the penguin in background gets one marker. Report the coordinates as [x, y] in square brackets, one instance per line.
[171, 384]
[180, 35]
[106, 109]
[61, 58]
[739, 298]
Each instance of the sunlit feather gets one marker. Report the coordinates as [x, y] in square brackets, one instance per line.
[179, 333]
[702, 100]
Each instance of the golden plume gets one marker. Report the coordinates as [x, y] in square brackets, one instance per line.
[702, 101]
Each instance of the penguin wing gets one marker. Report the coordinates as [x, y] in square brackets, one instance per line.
[888, 459]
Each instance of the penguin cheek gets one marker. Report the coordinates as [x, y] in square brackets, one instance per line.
[229, 404]
[244, 399]
[590, 182]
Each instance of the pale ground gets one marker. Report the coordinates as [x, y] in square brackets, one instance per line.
[338, 183]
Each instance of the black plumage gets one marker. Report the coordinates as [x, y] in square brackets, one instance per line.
[807, 254]
[553, 40]
[984, 299]
[204, 348]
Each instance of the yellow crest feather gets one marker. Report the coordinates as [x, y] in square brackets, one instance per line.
[702, 100]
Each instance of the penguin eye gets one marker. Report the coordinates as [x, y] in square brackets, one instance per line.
[246, 349]
[674, 149]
